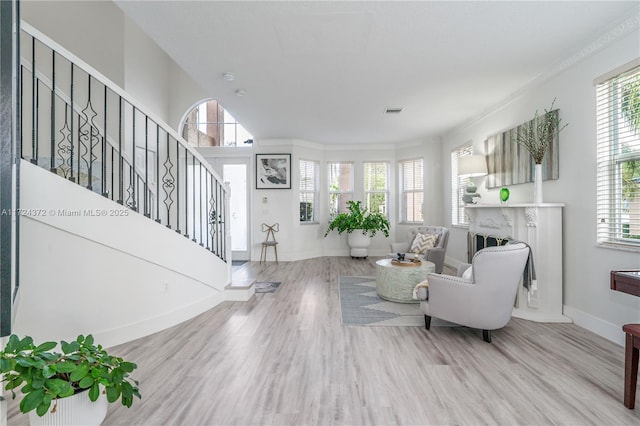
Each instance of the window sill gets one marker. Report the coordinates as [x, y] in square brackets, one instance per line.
[309, 223]
[620, 247]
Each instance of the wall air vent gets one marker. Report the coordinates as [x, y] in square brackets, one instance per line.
[393, 110]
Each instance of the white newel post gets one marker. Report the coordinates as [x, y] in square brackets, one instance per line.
[540, 226]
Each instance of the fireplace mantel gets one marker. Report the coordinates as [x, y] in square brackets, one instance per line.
[540, 226]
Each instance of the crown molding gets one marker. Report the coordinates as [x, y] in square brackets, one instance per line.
[322, 147]
[615, 32]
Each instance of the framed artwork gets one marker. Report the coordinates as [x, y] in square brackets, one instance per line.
[509, 163]
[273, 171]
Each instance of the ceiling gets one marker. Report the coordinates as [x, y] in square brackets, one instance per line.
[325, 71]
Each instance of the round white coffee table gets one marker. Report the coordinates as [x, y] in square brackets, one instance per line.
[396, 283]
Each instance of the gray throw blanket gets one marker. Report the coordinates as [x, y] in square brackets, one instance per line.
[529, 275]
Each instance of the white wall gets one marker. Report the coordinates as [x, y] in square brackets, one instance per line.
[587, 297]
[93, 30]
[146, 70]
[306, 240]
[117, 277]
[100, 34]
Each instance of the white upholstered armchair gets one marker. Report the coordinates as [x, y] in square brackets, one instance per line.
[485, 299]
[435, 254]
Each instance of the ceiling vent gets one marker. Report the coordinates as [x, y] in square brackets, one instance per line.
[393, 110]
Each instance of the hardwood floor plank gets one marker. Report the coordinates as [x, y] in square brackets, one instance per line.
[286, 359]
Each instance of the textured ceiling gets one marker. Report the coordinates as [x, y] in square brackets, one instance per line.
[326, 71]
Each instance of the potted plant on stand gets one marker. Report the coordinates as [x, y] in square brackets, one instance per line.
[59, 388]
[536, 136]
[364, 223]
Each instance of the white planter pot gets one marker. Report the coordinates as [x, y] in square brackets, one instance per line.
[74, 410]
[359, 243]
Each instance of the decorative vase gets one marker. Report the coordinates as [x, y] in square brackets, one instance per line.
[359, 243]
[537, 184]
[504, 195]
[76, 409]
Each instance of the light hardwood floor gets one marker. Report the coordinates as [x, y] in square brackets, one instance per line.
[285, 359]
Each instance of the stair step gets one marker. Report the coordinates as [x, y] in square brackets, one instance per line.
[240, 284]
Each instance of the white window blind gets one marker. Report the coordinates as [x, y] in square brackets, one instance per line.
[309, 191]
[376, 187]
[340, 186]
[458, 185]
[618, 158]
[411, 190]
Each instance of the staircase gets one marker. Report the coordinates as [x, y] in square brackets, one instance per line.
[122, 226]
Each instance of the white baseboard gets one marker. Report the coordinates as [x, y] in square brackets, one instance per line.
[596, 325]
[129, 332]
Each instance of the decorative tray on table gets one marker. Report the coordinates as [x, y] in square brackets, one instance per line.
[410, 262]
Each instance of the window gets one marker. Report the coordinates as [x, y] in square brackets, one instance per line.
[411, 190]
[376, 187]
[308, 190]
[458, 185]
[208, 124]
[340, 187]
[618, 157]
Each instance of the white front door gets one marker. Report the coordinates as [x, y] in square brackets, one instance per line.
[236, 174]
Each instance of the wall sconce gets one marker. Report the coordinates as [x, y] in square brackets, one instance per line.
[471, 166]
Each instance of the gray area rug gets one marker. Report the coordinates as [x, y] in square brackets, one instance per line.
[267, 286]
[361, 305]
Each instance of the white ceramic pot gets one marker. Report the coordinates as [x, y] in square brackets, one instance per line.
[359, 243]
[74, 410]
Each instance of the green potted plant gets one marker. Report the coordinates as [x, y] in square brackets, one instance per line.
[49, 379]
[358, 218]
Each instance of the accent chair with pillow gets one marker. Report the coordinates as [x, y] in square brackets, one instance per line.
[429, 242]
[482, 295]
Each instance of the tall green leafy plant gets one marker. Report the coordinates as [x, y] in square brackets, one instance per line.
[46, 375]
[631, 104]
[359, 218]
[536, 135]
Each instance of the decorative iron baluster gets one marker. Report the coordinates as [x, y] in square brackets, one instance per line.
[177, 187]
[186, 192]
[103, 177]
[113, 155]
[200, 201]
[52, 165]
[193, 195]
[146, 167]
[168, 183]
[223, 233]
[213, 215]
[21, 120]
[71, 177]
[209, 208]
[120, 160]
[158, 173]
[34, 124]
[89, 137]
[131, 202]
[65, 145]
[131, 190]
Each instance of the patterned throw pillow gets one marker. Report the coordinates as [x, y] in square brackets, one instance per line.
[423, 242]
